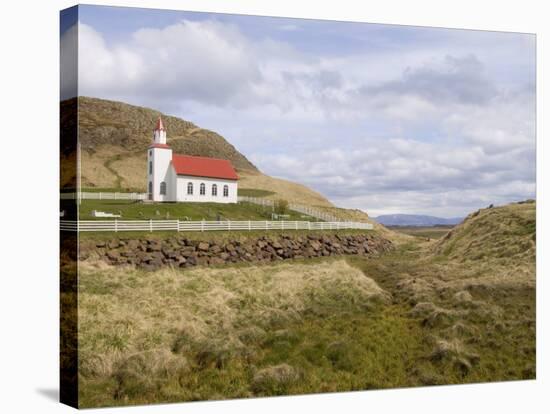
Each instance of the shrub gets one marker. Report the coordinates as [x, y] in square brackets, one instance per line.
[281, 206]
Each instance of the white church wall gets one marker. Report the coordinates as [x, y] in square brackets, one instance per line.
[181, 192]
[161, 159]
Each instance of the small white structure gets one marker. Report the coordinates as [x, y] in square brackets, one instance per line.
[96, 213]
[175, 177]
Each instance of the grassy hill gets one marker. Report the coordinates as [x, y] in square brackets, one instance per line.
[129, 128]
[507, 232]
[426, 313]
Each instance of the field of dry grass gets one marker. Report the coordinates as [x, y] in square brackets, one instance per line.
[426, 313]
[288, 190]
[142, 335]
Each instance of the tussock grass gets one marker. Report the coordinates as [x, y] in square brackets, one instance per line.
[147, 328]
[274, 380]
[473, 292]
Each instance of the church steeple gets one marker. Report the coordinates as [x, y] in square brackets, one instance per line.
[160, 125]
[159, 133]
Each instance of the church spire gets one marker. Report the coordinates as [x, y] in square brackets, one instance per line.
[159, 133]
[160, 125]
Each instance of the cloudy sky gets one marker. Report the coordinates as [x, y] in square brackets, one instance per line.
[385, 118]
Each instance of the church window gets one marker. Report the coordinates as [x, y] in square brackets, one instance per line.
[214, 190]
[203, 189]
[163, 188]
[150, 167]
[226, 190]
[189, 188]
[150, 187]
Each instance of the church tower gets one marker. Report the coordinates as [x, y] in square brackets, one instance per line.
[159, 157]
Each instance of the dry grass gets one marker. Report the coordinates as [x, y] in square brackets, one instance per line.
[493, 233]
[94, 172]
[474, 292]
[135, 171]
[292, 192]
[274, 380]
[137, 329]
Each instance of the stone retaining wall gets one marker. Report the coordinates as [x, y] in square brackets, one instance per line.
[152, 254]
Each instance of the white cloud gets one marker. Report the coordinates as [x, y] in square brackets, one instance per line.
[405, 175]
[68, 50]
[208, 62]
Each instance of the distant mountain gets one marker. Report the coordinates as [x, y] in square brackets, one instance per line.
[415, 220]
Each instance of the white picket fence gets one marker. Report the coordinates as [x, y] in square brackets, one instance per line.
[181, 225]
[84, 195]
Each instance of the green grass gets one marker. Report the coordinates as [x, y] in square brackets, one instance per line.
[112, 190]
[223, 333]
[253, 192]
[342, 353]
[132, 210]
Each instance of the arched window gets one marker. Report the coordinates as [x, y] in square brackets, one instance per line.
[150, 167]
[226, 190]
[150, 189]
[163, 188]
[190, 188]
[203, 189]
[214, 190]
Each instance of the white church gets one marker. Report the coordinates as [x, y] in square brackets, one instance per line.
[175, 177]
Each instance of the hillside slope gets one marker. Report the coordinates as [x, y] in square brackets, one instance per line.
[128, 127]
[507, 232]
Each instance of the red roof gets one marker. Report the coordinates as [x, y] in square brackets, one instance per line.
[155, 145]
[203, 167]
[160, 125]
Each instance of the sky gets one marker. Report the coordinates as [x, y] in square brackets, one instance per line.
[384, 118]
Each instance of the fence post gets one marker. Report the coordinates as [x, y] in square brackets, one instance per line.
[150, 225]
[116, 225]
[309, 225]
[296, 225]
[178, 224]
[249, 225]
[100, 195]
